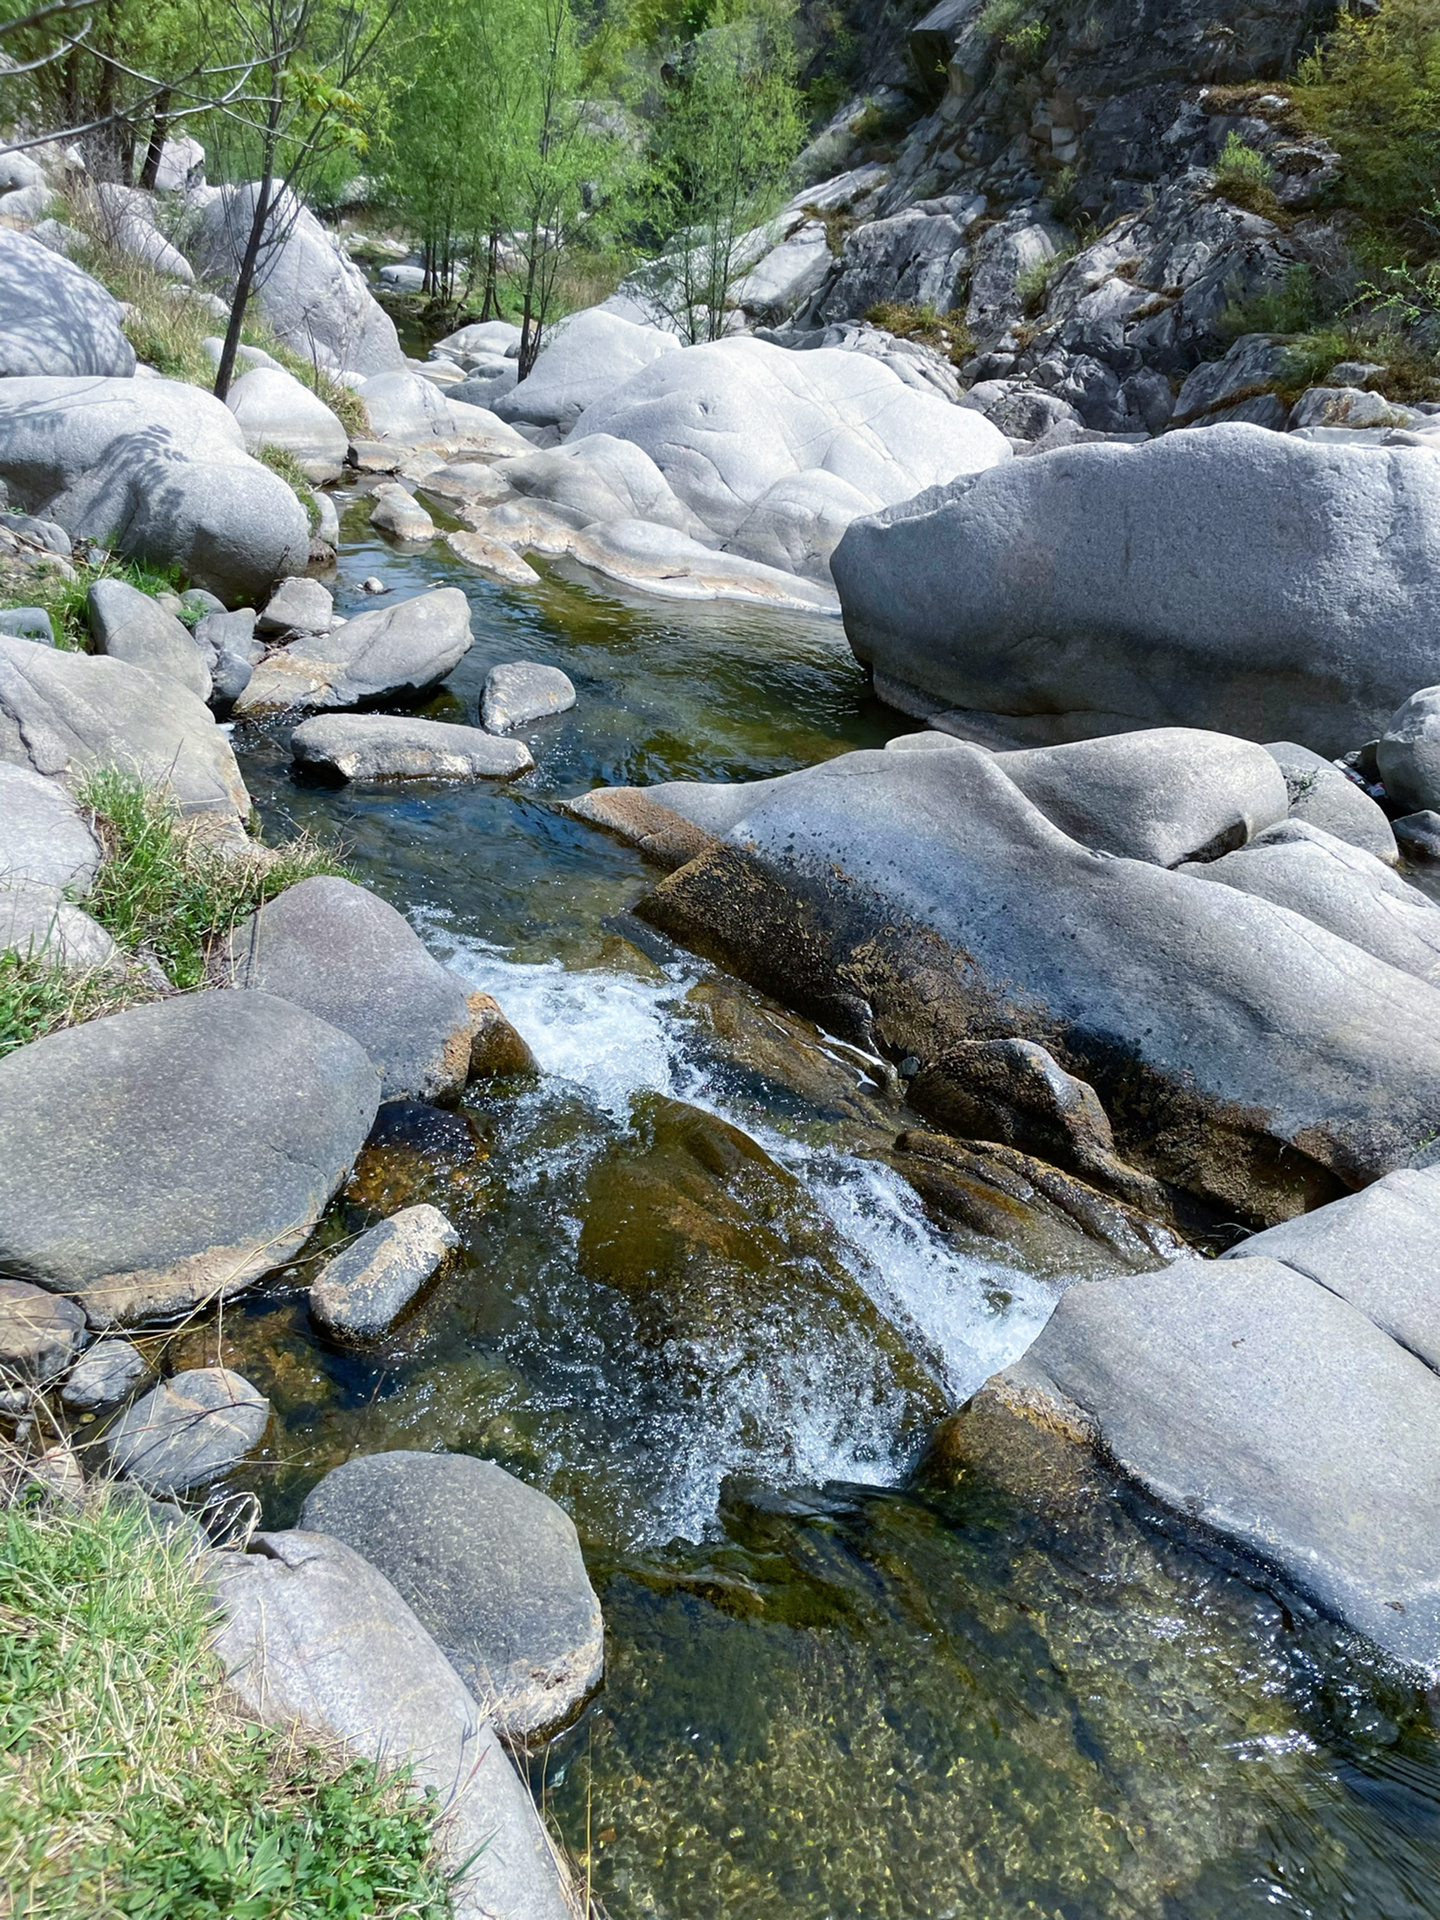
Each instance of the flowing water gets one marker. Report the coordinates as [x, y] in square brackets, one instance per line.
[834, 1691]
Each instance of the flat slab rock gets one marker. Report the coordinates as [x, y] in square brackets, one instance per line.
[188, 1430]
[1259, 1403]
[391, 746]
[348, 958]
[312, 1632]
[168, 1156]
[363, 1290]
[523, 690]
[492, 1568]
[397, 649]
[39, 1333]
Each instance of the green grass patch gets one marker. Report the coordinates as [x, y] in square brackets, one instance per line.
[37, 997]
[947, 333]
[131, 1788]
[1245, 177]
[164, 889]
[65, 600]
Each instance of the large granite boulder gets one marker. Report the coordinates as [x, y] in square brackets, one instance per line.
[68, 714]
[1322, 796]
[492, 1568]
[599, 478]
[1379, 1249]
[349, 959]
[54, 319]
[45, 841]
[313, 1634]
[155, 469]
[189, 1430]
[1268, 1408]
[311, 292]
[912, 901]
[393, 746]
[167, 1156]
[411, 411]
[1167, 794]
[734, 425]
[126, 624]
[277, 410]
[583, 358]
[1338, 887]
[914, 259]
[396, 650]
[1234, 579]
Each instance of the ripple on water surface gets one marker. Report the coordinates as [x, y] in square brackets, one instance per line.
[827, 1698]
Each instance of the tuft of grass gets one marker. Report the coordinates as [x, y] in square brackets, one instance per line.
[130, 1783]
[1244, 176]
[281, 461]
[947, 332]
[38, 997]
[65, 600]
[1016, 28]
[1033, 283]
[164, 890]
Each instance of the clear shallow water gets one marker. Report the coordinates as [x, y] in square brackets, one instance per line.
[831, 1695]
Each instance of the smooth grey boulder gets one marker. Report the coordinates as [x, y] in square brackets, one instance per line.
[232, 652]
[398, 650]
[492, 1568]
[733, 426]
[28, 623]
[1418, 834]
[128, 625]
[54, 319]
[155, 469]
[1263, 1406]
[167, 1156]
[598, 478]
[189, 1430]
[1165, 795]
[47, 533]
[389, 746]
[1409, 752]
[38, 922]
[1379, 1249]
[396, 511]
[363, 1291]
[346, 957]
[68, 714]
[523, 690]
[409, 411]
[1340, 888]
[45, 840]
[313, 1633]
[298, 605]
[1322, 797]
[311, 292]
[583, 358]
[916, 900]
[39, 1333]
[1235, 579]
[104, 1375]
[277, 410]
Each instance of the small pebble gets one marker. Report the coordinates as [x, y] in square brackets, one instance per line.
[373, 585]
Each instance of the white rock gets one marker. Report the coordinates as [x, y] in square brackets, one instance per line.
[398, 512]
[583, 359]
[277, 410]
[523, 690]
[54, 319]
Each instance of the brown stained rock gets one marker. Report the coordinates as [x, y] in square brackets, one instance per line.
[656, 830]
[497, 1051]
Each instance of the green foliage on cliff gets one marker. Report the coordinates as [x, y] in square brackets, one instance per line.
[131, 1788]
[1373, 90]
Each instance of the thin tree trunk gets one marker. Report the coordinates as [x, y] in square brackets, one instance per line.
[491, 308]
[159, 125]
[245, 282]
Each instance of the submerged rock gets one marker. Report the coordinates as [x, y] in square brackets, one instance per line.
[492, 1568]
[165, 1157]
[1236, 579]
[188, 1430]
[396, 511]
[313, 1633]
[341, 953]
[362, 1291]
[497, 1051]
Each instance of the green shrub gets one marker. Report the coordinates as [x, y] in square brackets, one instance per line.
[1033, 283]
[1244, 177]
[1016, 28]
[133, 1788]
[1297, 305]
[1372, 89]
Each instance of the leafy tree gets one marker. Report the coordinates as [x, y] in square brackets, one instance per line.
[729, 125]
[1373, 89]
